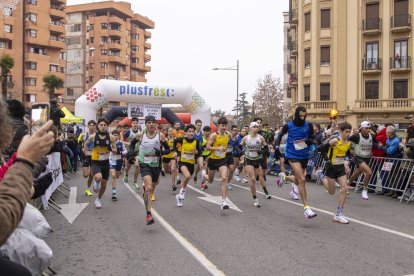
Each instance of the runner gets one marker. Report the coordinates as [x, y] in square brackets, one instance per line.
[150, 141]
[168, 160]
[177, 133]
[198, 135]
[334, 153]
[363, 144]
[297, 151]
[86, 163]
[103, 143]
[255, 149]
[115, 161]
[190, 152]
[268, 136]
[129, 136]
[232, 148]
[205, 153]
[241, 158]
[217, 144]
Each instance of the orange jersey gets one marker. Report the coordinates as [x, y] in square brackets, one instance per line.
[178, 133]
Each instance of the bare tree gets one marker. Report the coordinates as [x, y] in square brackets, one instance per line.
[268, 100]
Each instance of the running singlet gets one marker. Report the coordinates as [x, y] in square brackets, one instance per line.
[120, 148]
[198, 137]
[338, 153]
[364, 147]
[146, 155]
[221, 141]
[232, 146]
[204, 146]
[130, 134]
[170, 144]
[253, 145]
[187, 149]
[90, 146]
[101, 148]
[296, 146]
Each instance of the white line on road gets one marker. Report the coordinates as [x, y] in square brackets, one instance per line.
[197, 254]
[401, 234]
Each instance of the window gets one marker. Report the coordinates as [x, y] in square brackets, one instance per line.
[371, 90]
[75, 27]
[104, 39]
[307, 93]
[372, 21]
[400, 89]
[104, 52]
[54, 37]
[371, 56]
[32, 2]
[31, 65]
[134, 60]
[307, 58]
[91, 27]
[90, 78]
[325, 19]
[307, 22]
[30, 81]
[7, 11]
[119, 68]
[103, 77]
[104, 65]
[53, 68]
[91, 66]
[5, 44]
[31, 33]
[104, 26]
[30, 98]
[401, 16]
[325, 92]
[135, 48]
[134, 72]
[62, 69]
[91, 40]
[73, 40]
[70, 92]
[37, 50]
[288, 93]
[114, 53]
[135, 36]
[325, 55]
[31, 17]
[62, 55]
[8, 28]
[400, 59]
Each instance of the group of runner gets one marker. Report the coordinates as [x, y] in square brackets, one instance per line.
[186, 153]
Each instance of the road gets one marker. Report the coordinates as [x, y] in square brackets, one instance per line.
[201, 239]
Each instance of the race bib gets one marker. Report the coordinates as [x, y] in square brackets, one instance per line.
[339, 160]
[300, 145]
[230, 149]
[103, 156]
[253, 154]
[116, 157]
[188, 156]
[220, 153]
[150, 159]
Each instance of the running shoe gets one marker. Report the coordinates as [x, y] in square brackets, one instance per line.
[229, 187]
[268, 196]
[88, 192]
[174, 188]
[244, 180]
[178, 182]
[98, 203]
[365, 194]
[149, 219]
[96, 186]
[309, 213]
[281, 180]
[179, 200]
[126, 178]
[114, 197]
[294, 195]
[237, 178]
[337, 185]
[256, 203]
[152, 197]
[224, 205]
[135, 186]
[203, 186]
[341, 219]
[162, 172]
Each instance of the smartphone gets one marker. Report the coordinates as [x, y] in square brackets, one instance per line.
[40, 115]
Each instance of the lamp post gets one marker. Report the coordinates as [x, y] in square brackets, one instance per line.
[234, 68]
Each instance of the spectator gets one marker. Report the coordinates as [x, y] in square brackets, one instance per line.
[56, 113]
[72, 143]
[409, 138]
[19, 128]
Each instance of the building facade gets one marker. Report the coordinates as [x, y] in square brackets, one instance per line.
[34, 36]
[353, 56]
[105, 40]
[287, 66]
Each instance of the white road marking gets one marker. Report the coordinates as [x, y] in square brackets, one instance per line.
[214, 199]
[401, 234]
[197, 254]
[72, 210]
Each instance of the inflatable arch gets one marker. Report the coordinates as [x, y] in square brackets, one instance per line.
[87, 105]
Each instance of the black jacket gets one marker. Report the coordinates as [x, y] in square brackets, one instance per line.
[55, 114]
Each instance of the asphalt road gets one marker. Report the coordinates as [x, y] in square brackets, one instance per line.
[202, 239]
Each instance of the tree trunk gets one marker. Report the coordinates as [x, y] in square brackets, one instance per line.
[4, 87]
[51, 93]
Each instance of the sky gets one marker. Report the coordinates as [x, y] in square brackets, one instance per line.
[191, 37]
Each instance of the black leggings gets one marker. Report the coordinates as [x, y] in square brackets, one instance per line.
[9, 268]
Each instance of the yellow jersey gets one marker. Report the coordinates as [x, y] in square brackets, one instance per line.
[170, 143]
[221, 141]
[187, 149]
[337, 154]
[101, 148]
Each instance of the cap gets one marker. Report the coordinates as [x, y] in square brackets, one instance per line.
[365, 124]
[150, 118]
[253, 124]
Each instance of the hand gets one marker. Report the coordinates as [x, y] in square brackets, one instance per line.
[33, 148]
[157, 152]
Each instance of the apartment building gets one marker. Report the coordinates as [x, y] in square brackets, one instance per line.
[287, 66]
[353, 56]
[105, 40]
[34, 35]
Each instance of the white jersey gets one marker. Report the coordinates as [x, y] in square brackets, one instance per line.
[364, 147]
[116, 157]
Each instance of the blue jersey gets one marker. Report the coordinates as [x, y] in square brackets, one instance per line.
[232, 146]
[90, 146]
[199, 137]
[296, 147]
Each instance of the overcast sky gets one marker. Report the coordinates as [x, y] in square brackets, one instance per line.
[191, 37]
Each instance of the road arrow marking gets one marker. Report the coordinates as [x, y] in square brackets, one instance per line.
[72, 210]
[214, 199]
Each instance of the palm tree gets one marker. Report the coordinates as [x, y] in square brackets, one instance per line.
[52, 82]
[6, 63]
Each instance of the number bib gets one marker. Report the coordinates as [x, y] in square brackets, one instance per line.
[300, 145]
[188, 156]
[103, 156]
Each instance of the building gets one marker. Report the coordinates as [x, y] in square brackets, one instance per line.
[353, 56]
[34, 35]
[287, 65]
[105, 40]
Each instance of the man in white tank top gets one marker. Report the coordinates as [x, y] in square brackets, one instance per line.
[130, 135]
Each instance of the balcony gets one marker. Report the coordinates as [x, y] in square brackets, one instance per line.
[115, 59]
[147, 57]
[147, 45]
[116, 20]
[318, 107]
[115, 33]
[57, 12]
[400, 64]
[293, 80]
[114, 46]
[293, 47]
[294, 17]
[57, 27]
[371, 26]
[401, 23]
[147, 34]
[57, 44]
[147, 68]
[371, 66]
[392, 105]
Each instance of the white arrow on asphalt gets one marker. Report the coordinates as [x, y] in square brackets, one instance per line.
[72, 210]
[214, 199]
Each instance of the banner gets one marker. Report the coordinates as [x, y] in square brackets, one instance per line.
[53, 166]
[142, 110]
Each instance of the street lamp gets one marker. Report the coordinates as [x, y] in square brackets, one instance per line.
[234, 68]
